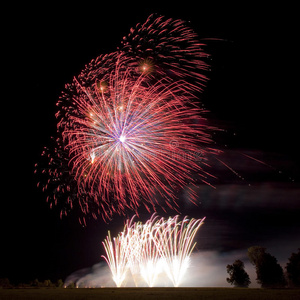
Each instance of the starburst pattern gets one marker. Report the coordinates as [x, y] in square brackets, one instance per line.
[130, 131]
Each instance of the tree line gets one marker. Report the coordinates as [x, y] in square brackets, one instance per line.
[268, 271]
[5, 283]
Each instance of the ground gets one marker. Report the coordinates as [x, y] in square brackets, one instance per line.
[150, 293]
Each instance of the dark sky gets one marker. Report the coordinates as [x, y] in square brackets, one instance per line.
[252, 94]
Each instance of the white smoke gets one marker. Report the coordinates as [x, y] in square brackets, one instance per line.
[207, 269]
[97, 276]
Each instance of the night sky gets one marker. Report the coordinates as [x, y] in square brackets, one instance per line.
[251, 95]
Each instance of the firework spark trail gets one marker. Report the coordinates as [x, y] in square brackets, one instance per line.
[116, 259]
[130, 130]
[152, 248]
[177, 246]
[170, 48]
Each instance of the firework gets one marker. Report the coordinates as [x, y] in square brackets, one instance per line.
[147, 261]
[176, 242]
[168, 48]
[116, 259]
[158, 246]
[130, 132]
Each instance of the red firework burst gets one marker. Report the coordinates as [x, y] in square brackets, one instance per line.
[130, 129]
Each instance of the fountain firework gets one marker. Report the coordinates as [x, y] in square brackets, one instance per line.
[152, 248]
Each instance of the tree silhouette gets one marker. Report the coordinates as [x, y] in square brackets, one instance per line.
[4, 282]
[269, 272]
[237, 274]
[60, 283]
[293, 269]
[36, 283]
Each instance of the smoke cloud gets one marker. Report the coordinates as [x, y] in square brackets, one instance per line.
[207, 269]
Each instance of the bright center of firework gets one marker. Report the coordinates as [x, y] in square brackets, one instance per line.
[122, 138]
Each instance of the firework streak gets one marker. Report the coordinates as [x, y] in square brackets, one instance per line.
[152, 248]
[130, 130]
